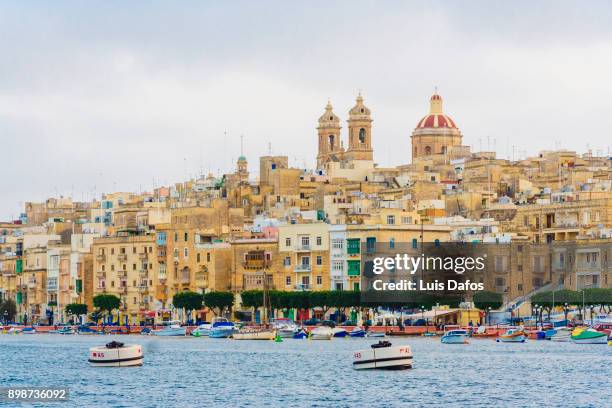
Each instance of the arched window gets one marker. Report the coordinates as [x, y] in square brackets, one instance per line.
[362, 135]
[443, 150]
[428, 150]
[331, 142]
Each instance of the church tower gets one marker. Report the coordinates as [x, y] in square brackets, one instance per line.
[436, 133]
[330, 147]
[360, 132]
[242, 165]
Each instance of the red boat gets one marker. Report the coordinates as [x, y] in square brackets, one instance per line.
[604, 327]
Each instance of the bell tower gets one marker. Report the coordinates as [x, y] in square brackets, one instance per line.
[360, 132]
[329, 136]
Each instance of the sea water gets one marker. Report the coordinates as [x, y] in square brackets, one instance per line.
[207, 372]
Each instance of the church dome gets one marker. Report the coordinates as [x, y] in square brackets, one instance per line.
[329, 117]
[436, 118]
[359, 109]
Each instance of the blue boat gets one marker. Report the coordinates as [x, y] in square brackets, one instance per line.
[170, 329]
[300, 335]
[28, 330]
[338, 332]
[205, 328]
[357, 332]
[221, 332]
[455, 337]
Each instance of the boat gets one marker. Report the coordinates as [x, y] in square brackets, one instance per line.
[86, 330]
[254, 334]
[321, 333]
[116, 354]
[562, 334]
[371, 333]
[63, 330]
[28, 330]
[205, 328]
[357, 332]
[14, 330]
[221, 332]
[300, 334]
[383, 355]
[338, 332]
[455, 337]
[582, 335]
[285, 328]
[172, 328]
[513, 336]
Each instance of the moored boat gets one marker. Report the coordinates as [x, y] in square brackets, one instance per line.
[205, 328]
[300, 334]
[115, 354]
[455, 337]
[513, 336]
[371, 333]
[285, 328]
[172, 328]
[221, 332]
[28, 330]
[321, 333]
[582, 335]
[357, 332]
[339, 332]
[254, 334]
[63, 330]
[383, 355]
[561, 334]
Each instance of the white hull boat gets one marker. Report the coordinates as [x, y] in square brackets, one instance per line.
[383, 355]
[116, 354]
[455, 337]
[171, 329]
[322, 333]
[513, 336]
[562, 334]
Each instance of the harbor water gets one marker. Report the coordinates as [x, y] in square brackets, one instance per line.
[302, 373]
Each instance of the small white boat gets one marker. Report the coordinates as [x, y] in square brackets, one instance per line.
[172, 328]
[14, 330]
[221, 332]
[562, 334]
[371, 333]
[321, 333]
[63, 330]
[513, 336]
[455, 337]
[205, 328]
[383, 355]
[254, 334]
[115, 354]
[285, 328]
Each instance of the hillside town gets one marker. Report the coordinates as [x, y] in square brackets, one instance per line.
[547, 216]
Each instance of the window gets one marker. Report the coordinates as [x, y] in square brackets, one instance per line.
[287, 261]
[352, 246]
[134, 250]
[337, 244]
[305, 280]
[112, 284]
[305, 261]
[112, 267]
[208, 257]
[112, 251]
[354, 268]
[520, 287]
[186, 252]
[392, 243]
[319, 280]
[319, 241]
[362, 135]
[414, 243]
[122, 250]
[499, 282]
[406, 220]
[287, 242]
[305, 242]
[391, 219]
[288, 280]
[319, 260]
[338, 265]
[198, 257]
[176, 237]
[186, 237]
[133, 267]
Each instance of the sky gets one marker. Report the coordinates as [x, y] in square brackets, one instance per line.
[118, 96]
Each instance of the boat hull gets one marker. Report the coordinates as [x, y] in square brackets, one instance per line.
[357, 333]
[255, 335]
[181, 331]
[219, 333]
[126, 356]
[454, 339]
[387, 358]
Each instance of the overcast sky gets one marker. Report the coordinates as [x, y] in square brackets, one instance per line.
[96, 98]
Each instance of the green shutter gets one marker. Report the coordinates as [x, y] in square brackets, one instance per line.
[79, 285]
[352, 246]
[19, 299]
[19, 266]
[354, 268]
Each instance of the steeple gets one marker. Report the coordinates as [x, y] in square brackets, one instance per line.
[329, 135]
[360, 131]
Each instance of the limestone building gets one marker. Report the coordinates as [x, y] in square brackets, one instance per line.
[436, 133]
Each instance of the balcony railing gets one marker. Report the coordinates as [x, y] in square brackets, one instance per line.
[256, 263]
[122, 274]
[122, 257]
[303, 268]
[144, 272]
[302, 286]
[101, 258]
[303, 247]
[143, 256]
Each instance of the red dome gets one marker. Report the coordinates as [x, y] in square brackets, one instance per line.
[435, 97]
[436, 121]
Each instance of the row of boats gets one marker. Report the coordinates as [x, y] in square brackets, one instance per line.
[279, 328]
[579, 335]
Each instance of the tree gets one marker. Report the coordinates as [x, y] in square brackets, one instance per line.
[218, 300]
[76, 309]
[252, 299]
[8, 310]
[485, 300]
[322, 299]
[188, 301]
[106, 302]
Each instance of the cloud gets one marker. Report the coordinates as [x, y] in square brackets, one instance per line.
[115, 96]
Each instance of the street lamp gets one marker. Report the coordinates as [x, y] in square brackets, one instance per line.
[565, 310]
[536, 309]
[489, 314]
[423, 314]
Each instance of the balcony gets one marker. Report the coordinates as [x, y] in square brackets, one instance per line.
[144, 273]
[302, 268]
[303, 248]
[122, 274]
[143, 256]
[101, 274]
[256, 264]
[162, 277]
[143, 288]
[303, 286]
[201, 277]
[101, 258]
[123, 289]
[31, 284]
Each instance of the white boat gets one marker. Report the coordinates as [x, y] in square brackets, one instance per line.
[513, 336]
[371, 333]
[221, 332]
[205, 328]
[115, 354]
[383, 355]
[172, 328]
[321, 333]
[562, 334]
[285, 328]
[14, 330]
[254, 334]
[455, 337]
